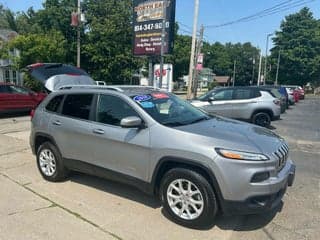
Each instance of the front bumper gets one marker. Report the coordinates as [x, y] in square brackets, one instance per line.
[259, 203]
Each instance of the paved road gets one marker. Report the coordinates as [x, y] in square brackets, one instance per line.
[85, 207]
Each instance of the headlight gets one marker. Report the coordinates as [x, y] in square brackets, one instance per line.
[238, 155]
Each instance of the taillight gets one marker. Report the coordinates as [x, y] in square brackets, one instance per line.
[276, 102]
[32, 113]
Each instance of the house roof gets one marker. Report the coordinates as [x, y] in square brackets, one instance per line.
[222, 79]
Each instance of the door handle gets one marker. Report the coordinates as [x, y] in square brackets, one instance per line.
[98, 131]
[57, 123]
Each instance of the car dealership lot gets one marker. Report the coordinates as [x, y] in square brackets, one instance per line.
[88, 207]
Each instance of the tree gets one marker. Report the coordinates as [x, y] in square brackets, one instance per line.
[299, 43]
[108, 41]
[33, 48]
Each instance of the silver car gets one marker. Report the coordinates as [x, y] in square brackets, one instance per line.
[252, 104]
[195, 163]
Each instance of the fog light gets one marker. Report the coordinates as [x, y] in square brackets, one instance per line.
[260, 177]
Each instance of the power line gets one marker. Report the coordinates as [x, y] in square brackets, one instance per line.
[266, 12]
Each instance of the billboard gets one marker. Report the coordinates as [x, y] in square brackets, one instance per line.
[147, 26]
[167, 76]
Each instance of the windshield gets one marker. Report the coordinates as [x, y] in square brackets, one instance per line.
[169, 110]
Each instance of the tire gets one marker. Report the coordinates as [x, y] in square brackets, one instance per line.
[203, 198]
[262, 119]
[50, 163]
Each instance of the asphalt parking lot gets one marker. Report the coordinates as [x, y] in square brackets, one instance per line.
[85, 207]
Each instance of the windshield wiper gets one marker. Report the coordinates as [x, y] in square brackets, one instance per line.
[199, 120]
[173, 124]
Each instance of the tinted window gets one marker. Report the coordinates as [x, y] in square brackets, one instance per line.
[111, 110]
[20, 90]
[223, 95]
[4, 89]
[78, 105]
[242, 94]
[54, 104]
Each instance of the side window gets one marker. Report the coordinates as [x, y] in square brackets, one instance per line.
[256, 93]
[242, 94]
[15, 89]
[77, 105]
[223, 95]
[111, 110]
[4, 89]
[54, 104]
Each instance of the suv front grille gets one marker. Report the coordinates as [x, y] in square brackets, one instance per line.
[281, 156]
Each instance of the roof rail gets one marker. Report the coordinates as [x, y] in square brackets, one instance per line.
[65, 87]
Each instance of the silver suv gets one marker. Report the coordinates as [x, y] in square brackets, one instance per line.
[253, 104]
[197, 164]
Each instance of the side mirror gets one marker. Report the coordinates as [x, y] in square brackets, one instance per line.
[131, 122]
[210, 99]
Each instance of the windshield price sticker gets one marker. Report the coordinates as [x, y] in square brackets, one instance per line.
[147, 104]
[142, 98]
[159, 95]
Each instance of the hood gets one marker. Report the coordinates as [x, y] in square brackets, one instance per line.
[236, 135]
[56, 82]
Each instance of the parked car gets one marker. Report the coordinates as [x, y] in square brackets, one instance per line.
[15, 98]
[275, 92]
[301, 92]
[291, 98]
[56, 75]
[197, 164]
[252, 104]
[297, 92]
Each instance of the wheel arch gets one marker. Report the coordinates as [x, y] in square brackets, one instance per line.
[167, 163]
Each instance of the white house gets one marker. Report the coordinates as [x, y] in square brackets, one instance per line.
[7, 73]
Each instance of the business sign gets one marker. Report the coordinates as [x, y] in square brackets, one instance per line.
[147, 26]
[167, 77]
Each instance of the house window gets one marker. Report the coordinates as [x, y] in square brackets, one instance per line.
[14, 77]
[7, 75]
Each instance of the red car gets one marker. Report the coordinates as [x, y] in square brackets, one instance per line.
[296, 95]
[18, 99]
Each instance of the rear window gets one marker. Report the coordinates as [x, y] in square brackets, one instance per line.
[54, 104]
[78, 106]
[242, 94]
[4, 89]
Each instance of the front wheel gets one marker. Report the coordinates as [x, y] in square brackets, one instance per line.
[188, 198]
[262, 119]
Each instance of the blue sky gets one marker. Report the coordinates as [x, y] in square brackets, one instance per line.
[213, 12]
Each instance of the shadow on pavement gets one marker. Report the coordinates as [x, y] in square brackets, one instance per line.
[119, 189]
[234, 222]
[247, 222]
[12, 115]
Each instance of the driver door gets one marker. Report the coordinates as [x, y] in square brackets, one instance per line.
[221, 103]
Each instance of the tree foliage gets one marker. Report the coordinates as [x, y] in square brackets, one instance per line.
[299, 43]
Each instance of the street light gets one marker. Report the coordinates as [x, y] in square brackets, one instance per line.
[266, 60]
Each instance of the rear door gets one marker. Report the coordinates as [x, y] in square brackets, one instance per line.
[221, 103]
[72, 127]
[6, 98]
[244, 99]
[23, 98]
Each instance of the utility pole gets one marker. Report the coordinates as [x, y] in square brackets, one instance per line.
[266, 59]
[150, 78]
[198, 52]
[253, 66]
[78, 34]
[278, 65]
[193, 45]
[234, 72]
[259, 74]
[163, 35]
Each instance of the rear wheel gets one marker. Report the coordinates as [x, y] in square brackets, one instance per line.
[262, 119]
[188, 198]
[50, 163]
